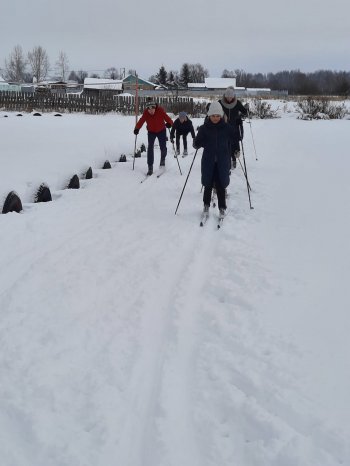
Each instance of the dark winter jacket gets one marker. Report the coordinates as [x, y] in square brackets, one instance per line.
[234, 112]
[216, 140]
[182, 128]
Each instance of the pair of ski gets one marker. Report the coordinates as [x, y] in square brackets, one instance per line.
[158, 174]
[205, 216]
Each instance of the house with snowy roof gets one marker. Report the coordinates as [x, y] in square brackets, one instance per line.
[214, 84]
[217, 86]
[129, 84]
[97, 87]
[6, 86]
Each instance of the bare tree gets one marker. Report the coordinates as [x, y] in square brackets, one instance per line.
[81, 76]
[39, 63]
[62, 65]
[15, 65]
[228, 74]
[111, 73]
[197, 73]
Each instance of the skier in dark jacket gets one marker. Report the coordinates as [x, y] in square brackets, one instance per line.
[182, 127]
[234, 110]
[216, 137]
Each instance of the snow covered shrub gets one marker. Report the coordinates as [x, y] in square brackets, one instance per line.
[261, 109]
[320, 109]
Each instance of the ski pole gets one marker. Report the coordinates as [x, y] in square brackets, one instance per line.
[251, 132]
[136, 114]
[177, 159]
[183, 189]
[133, 163]
[246, 176]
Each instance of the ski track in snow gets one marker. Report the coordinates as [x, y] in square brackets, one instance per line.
[145, 345]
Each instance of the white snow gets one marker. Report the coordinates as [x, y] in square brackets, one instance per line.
[130, 336]
[103, 83]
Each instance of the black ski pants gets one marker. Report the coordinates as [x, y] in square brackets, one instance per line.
[220, 190]
[184, 140]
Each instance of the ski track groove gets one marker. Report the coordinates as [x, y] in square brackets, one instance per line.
[247, 393]
[170, 311]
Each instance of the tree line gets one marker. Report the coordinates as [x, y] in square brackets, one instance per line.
[35, 65]
[296, 82]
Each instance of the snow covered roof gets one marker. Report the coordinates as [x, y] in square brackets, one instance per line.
[126, 94]
[103, 83]
[2, 80]
[219, 83]
[260, 89]
[196, 85]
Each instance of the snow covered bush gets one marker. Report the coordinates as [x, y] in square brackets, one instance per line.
[261, 109]
[320, 109]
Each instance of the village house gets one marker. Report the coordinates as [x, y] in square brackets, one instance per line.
[98, 87]
[129, 84]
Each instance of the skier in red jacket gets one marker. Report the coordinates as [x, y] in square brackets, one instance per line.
[157, 120]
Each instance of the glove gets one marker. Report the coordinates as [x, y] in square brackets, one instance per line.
[168, 125]
[194, 145]
[136, 131]
[172, 140]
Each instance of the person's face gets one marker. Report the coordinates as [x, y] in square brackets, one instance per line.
[229, 99]
[215, 118]
[182, 119]
[151, 110]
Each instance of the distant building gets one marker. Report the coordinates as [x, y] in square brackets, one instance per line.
[129, 84]
[258, 91]
[217, 86]
[97, 87]
[8, 86]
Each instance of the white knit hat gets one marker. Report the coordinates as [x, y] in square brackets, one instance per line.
[215, 109]
[230, 92]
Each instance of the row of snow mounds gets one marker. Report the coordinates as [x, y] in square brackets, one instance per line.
[13, 202]
[34, 114]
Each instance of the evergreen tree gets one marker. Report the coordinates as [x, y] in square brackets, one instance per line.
[185, 74]
[162, 75]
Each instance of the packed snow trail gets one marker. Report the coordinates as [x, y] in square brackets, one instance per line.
[132, 336]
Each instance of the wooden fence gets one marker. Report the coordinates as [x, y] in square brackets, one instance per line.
[28, 102]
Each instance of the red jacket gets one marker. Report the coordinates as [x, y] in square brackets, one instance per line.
[155, 123]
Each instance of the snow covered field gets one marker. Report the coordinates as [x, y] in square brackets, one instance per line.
[130, 336]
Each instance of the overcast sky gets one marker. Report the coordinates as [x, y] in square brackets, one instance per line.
[253, 35]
